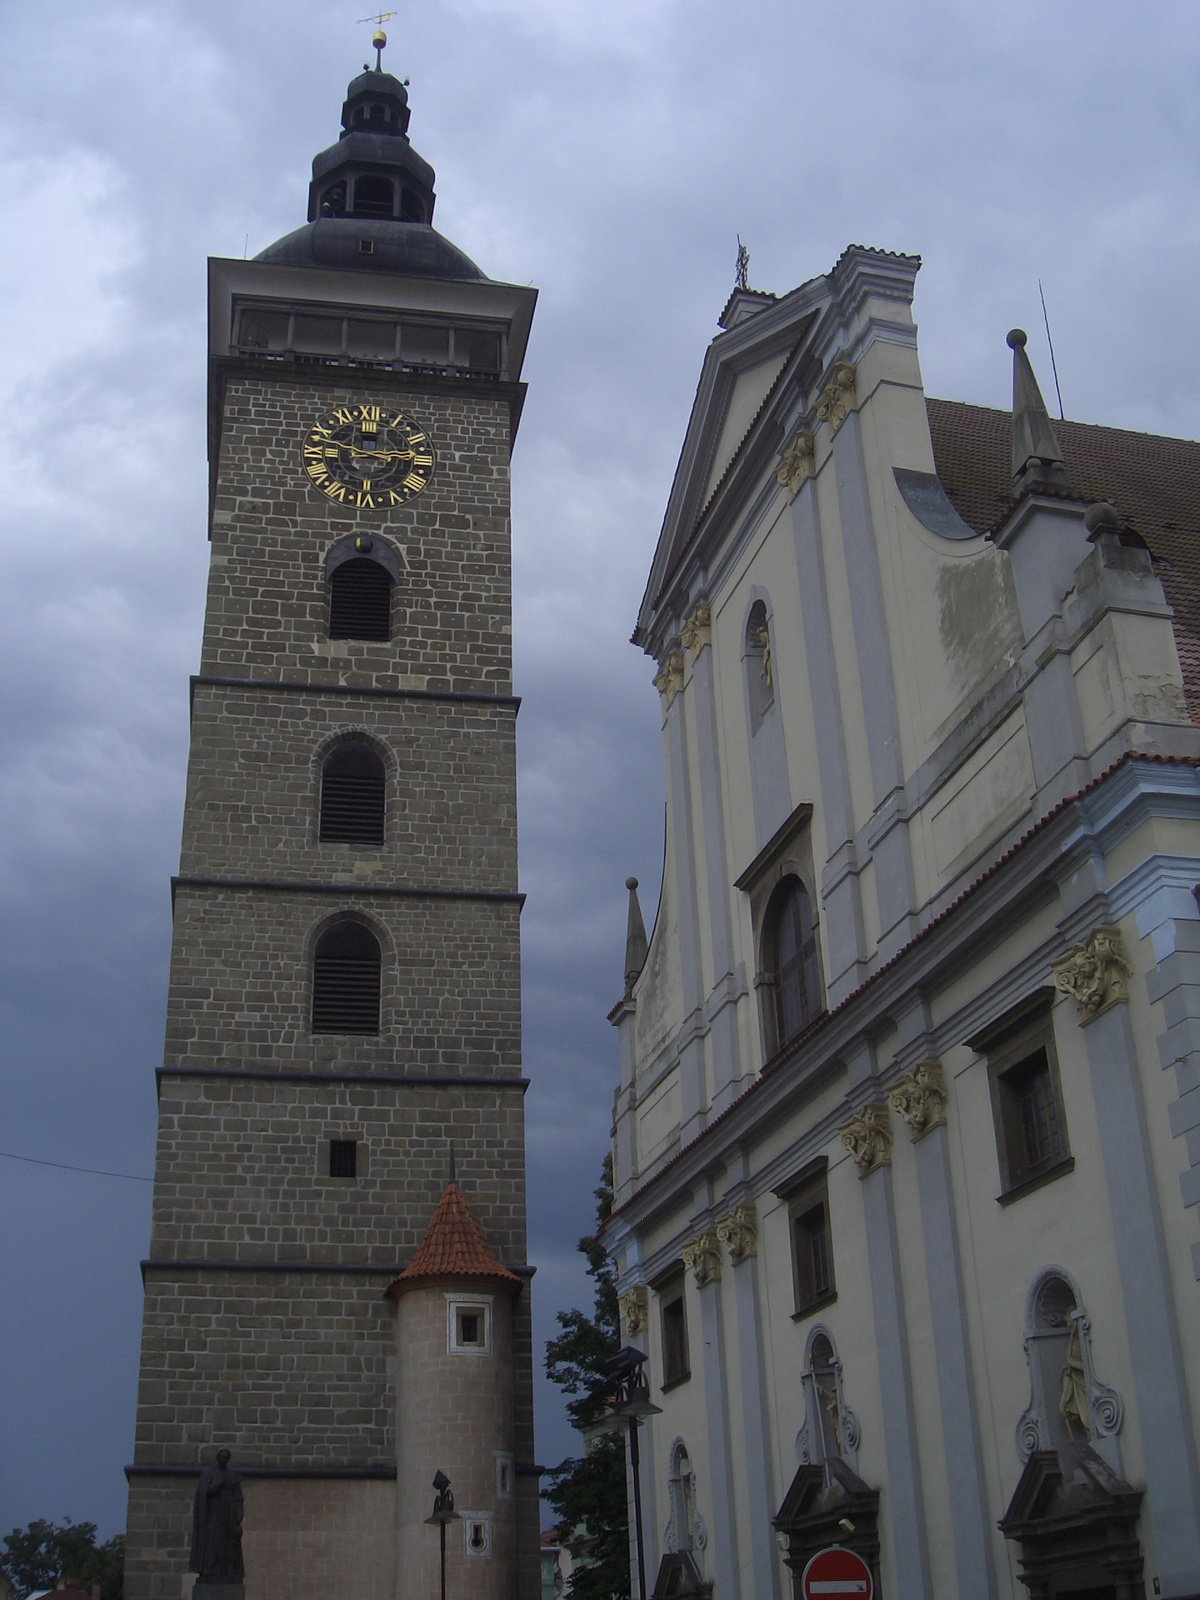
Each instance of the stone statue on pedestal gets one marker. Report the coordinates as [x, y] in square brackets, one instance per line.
[216, 1555]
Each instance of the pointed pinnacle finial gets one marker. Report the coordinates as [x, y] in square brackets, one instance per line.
[1037, 460]
[635, 939]
[453, 1178]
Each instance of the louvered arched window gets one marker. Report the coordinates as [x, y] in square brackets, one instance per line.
[353, 789]
[792, 960]
[360, 600]
[346, 970]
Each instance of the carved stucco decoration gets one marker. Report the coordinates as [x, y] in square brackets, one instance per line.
[703, 1256]
[799, 463]
[768, 663]
[669, 678]
[738, 1232]
[635, 1308]
[697, 630]
[868, 1138]
[920, 1098]
[839, 398]
[1094, 973]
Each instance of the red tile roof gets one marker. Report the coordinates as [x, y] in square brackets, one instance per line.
[454, 1246]
[1154, 482]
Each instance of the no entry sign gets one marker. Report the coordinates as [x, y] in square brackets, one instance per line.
[838, 1572]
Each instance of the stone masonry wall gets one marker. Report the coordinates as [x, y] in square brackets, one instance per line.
[240, 1169]
[254, 789]
[294, 1369]
[268, 602]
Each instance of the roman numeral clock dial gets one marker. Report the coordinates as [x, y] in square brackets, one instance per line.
[368, 456]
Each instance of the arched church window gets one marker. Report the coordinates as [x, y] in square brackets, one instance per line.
[333, 201]
[346, 977]
[759, 664]
[373, 197]
[353, 790]
[791, 960]
[360, 600]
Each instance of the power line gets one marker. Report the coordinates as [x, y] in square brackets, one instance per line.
[96, 1172]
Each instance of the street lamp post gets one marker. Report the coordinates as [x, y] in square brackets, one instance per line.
[443, 1512]
[632, 1404]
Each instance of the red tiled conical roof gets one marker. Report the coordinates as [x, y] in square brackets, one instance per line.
[454, 1246]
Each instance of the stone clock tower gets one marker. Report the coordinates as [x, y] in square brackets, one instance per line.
[344, 1005]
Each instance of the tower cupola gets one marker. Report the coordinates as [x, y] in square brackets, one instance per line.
[371, 199]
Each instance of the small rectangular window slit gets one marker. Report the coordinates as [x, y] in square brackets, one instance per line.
[343, 1158]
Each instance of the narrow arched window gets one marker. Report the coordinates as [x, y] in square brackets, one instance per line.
[792, 961]
[373, 197]
[346, 970]
[353, 789]
[360, 600]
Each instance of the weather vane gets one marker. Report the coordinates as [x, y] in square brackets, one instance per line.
[379, 38]
[743, 265]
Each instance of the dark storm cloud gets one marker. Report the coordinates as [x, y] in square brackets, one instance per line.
[609, 153]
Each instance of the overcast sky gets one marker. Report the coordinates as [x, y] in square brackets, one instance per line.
[608, 151]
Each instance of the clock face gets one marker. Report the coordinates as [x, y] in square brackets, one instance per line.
[368, 456]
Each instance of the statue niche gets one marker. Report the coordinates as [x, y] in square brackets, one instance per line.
[1072, 1514]
[216, 1554]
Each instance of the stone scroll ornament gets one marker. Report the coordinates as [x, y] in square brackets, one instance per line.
[216, 1553]
[703, 1256]
[668, 680]
[635, 1308]
[738, 1232]
[920, 1098]
[839, 398]
[799, 463]
[697, 630]
[1094, 973]
[868, 1138]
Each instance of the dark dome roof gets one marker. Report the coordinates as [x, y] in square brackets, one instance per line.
[408, 249]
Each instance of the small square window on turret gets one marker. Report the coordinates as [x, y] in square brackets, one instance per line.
[469, 1330]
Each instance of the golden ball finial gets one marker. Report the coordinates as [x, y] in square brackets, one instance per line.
[379, 39]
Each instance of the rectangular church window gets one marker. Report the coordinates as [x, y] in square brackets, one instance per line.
[673, 1323]
[424, 346]
[480, 352]
[263, 330]
[1027, 1102]
[470, 1326]
[371, 341]
[343, 1158]
[812, 1242]
[320, 335]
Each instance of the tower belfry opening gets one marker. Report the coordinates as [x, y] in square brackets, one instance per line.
[345, 974]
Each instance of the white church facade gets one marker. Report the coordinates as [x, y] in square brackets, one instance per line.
[907, 1136]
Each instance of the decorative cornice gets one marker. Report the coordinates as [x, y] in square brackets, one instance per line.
[703, 1256]
[868, 1138]
[635, 1308]
[839, 398]
[668, 680]
[738, 1232]
[920, 1098]
[697, 630]
[799, 462]
[1094, 973]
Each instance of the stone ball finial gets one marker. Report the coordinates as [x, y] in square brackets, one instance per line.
[631, 883]
[1017, 339]
[1102, 518]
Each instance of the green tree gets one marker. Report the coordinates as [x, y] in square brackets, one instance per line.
[588, 1492]
[36, 1557]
